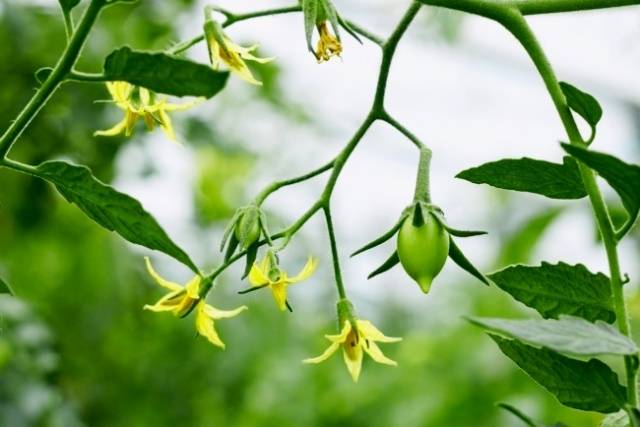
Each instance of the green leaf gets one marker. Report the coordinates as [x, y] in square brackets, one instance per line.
[623, 177]
[458, 257]
[590, 386]
[555, 289]
[391, 262]
[553, 180]
[67, 5]
[164, 73]
[582, 103]
[571, 336]
[618, 419]
[111, 209]
[5, 288]
[252, 254]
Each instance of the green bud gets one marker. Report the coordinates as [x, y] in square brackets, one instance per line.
[247, 228]
[346, 313]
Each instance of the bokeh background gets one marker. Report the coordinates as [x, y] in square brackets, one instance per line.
[76, 349]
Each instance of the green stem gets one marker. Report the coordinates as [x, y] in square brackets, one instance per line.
[334, 253]
[68, 23]
[422, 180]
[273, 187]
[80, 76]
[518, 26]
[64, 65]
[489, 8]
[403, 130]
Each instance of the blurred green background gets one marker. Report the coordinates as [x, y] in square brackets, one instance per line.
[77, 350]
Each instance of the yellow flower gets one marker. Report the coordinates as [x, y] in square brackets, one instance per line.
[265, 275]
[223, 50]
[353, 342]
[328, 44]
[182, 299]
[138, 102]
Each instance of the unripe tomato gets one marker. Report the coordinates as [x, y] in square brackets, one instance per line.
[247, 229]
[423, 250]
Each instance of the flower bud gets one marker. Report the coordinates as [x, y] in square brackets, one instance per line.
[247, 228]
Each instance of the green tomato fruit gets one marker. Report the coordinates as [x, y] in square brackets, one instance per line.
[247, 229]
[423, 250]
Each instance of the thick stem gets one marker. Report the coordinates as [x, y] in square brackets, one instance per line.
[64, 65]
[518, 26]
[488, 8]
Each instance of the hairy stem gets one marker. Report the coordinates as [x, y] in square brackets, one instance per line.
[518, 26]
[64, 65]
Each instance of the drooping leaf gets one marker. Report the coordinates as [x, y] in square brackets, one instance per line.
[553, 180]
[164, 73]
[111, 209]
[5, 288]
[582, 103]
[571, 336]
[391, 262]
[67, 5]
[555, 289]
[458, 257]
[590, 386]
[623, 177]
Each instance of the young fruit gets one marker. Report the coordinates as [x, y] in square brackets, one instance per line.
[423, 250]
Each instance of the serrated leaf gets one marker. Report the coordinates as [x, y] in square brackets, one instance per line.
[571, 336]
[68, 4]
[555, 289]
[111, 209]
[582, 103]
[623, 177]
[164, 73]
[459, 258]
[553, 180]
[590, 386]
[5, 288]
[391, 262]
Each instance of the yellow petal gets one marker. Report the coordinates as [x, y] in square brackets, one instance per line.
[117, 129]
[306, 271]
[353, 360]
[193, 287]
[342, 337]
[325, 355]
[205, 326]
[159, 280]
[166, 126]
[258, 276]
[376, 354]
[279, 291]
[181, 107]
[216, 313]
[131, 117]
[372, 333]
[169, 302]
